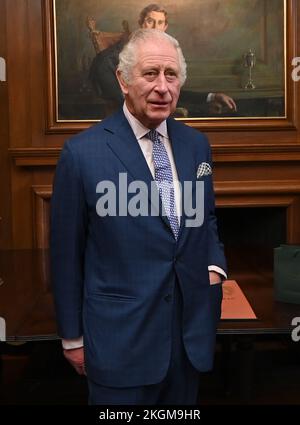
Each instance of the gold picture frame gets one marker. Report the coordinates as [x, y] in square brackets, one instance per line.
[70, 52]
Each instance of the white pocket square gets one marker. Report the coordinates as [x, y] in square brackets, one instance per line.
[204, 169]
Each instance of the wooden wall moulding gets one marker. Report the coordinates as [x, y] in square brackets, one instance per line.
[41, 196]
[72, 104]
[35, 157]
[256, 153]
[225, 189]
[40, 157]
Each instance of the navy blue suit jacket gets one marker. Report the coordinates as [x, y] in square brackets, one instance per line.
[113, 277]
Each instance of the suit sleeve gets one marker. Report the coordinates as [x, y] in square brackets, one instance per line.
[67, 244]
[216, 254]
[216, 249]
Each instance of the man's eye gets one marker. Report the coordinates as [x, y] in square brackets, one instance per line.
[171, 75]
[150, 74]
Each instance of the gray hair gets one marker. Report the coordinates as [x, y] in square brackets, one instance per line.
[128, 56]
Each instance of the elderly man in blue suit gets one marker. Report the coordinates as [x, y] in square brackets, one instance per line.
[138, 290]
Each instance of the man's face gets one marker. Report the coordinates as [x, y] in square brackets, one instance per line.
[152, 94]
[155, 20]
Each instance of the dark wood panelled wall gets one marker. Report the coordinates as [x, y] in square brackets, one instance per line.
[255, 165]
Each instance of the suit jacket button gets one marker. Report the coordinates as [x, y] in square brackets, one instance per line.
[168, 298]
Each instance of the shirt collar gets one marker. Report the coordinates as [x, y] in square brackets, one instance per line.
[139, 129]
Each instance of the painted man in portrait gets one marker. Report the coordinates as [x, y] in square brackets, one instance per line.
[108, 46]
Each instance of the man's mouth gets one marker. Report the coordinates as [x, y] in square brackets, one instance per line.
[159, 103]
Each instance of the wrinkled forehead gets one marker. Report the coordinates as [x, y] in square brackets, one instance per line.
[160, 53]
[156, 46]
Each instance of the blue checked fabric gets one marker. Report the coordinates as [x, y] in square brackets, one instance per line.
[164, 179]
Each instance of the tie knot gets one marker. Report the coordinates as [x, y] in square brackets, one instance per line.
[153, 135]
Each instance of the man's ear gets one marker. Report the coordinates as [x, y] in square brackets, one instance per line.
[123, 84]
[166, 26]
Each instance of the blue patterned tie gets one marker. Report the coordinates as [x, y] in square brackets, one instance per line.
[164, 180]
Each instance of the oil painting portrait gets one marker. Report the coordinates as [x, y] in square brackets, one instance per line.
[234, 47]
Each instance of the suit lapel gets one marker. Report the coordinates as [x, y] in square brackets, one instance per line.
[125, 146]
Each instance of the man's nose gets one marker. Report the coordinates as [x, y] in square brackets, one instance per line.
[161, 83]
